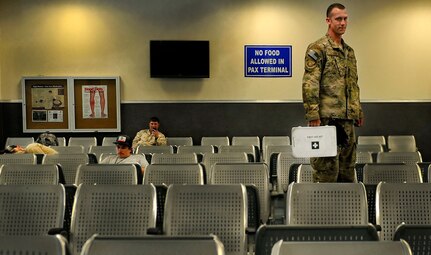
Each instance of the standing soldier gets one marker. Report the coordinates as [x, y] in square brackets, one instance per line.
[331, 96]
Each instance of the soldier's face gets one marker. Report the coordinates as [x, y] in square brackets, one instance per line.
[337, 21]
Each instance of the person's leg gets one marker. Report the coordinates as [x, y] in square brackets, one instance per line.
[348, 154]
[102, 102]
[92, 94]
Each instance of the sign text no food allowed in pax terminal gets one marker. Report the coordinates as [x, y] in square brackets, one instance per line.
[267, 61]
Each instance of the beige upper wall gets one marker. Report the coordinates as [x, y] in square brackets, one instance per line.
[100, 38]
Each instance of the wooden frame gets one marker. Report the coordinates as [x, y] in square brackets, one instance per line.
[71, 104]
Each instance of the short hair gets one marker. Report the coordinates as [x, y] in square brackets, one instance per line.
[333, 6]
[154, 119]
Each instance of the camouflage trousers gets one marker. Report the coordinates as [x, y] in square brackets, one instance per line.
[340, 168]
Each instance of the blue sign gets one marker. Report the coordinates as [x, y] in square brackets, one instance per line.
[268, 61]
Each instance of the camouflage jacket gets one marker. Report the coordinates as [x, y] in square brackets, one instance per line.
[330, 83]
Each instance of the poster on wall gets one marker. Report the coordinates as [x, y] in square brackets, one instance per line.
[268, 61]
[94, 101]
[45, 104]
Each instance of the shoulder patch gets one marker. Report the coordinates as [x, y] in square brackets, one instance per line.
[312, 54]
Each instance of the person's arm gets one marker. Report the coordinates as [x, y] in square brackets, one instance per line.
[161, 139]
[311, 84]
[142, 137]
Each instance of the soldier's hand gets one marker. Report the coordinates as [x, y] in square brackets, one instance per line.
[314, 123]
[359, 122]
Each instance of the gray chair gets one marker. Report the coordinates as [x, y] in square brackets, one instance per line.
[208, 209]
[163, 245]
[98, 150]
[268, 235]
[169, 149]
[284, 162]
[181, 158]
[69, 164]
[417, 236]
[398, 203]
[29, 174]
[84, 141]
[407, 157]
[158, 174]
[107, 174]
[215, 141]
[72, 149]
[248, 174]
[326, 204]
[402, 143]
[25, 158]
[249, 149]
[112, 210]
[363, 157]
[246, 140]
[273, 140]
[180, 141]
[271, 149]
[21, 141]
[47, 245]
[198, 149]
[342, 248]
[305, 174]
[371, 139]
[31, 210]
[391, 173]
[209, 159]
[373, 148]
[61, 141]
[108, 140]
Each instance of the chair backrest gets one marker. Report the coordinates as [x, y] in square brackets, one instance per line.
[174, 174]
[249, 149]
[98, 150]
[189, 208]
[25, 158]
[372, 139]
[392, 173]
[402, 143]
[268, 235]
[275, 140]
[179, 141]
[215, 141]
[30, 210]
[326, 204]
[198, 149]
[209, 159]
[69, 163]
[61, 141]
[373, 148]
[271, 149]
[398, 203]
[182, 158]
[154, 149]
[284, 162]
[342, 248]
[29, 174]
[407, 157]
[187, 245]
[364, 157]
[108, 140]
[71, 149]
[111, 210]
[248, 174]
[305, 173]
[22, 141]
[107, 174]
[47, 245]
[417, 236]
[246, 140]
[84, 141]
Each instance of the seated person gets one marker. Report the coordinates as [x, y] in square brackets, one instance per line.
[35, 148]
[125, 154]
[151, 136]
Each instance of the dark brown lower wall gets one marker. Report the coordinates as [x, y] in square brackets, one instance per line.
[244, 119]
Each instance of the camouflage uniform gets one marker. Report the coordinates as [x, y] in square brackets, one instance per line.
[330, 93]
[146, 138]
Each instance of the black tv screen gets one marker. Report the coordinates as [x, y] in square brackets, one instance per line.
[179, 59]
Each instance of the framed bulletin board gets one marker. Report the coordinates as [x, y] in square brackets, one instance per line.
[96, 104]
[71, 104]
[45, 104]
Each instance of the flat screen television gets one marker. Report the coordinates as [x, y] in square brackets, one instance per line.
[179, 59]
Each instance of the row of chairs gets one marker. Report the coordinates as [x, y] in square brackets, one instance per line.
[217, 209]
[394, 142]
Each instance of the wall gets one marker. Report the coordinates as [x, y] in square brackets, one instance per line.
[93, 37]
